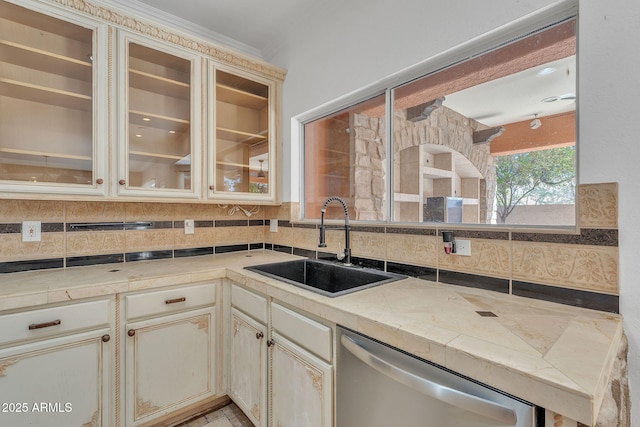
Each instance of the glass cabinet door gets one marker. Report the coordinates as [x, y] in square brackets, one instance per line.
[49, 94]
[243, 167]
[161, 155]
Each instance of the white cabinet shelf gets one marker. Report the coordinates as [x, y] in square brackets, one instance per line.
[51, 89]
[50, 62]
[44, 95]
[158, 84]
[239, 97]
[240, 136]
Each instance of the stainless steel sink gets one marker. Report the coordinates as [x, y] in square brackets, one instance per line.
[324, 277]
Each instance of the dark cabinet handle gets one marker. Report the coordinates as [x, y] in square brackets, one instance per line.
[259, 335]
[106, 338]
[44, 325]
[212, 187]
[122, 182]
[99, 181]
[173, 301]
[270, 342]
[131, 332]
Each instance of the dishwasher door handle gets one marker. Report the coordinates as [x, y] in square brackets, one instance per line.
[460, 399]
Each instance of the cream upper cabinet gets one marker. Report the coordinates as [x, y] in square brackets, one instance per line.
[53, 102]
[159, 121]
[91, 107]
[242, 134]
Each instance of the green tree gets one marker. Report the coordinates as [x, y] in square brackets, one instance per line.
[536, 177]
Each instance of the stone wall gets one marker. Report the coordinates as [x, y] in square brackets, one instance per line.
[443, 127]
[370, 168]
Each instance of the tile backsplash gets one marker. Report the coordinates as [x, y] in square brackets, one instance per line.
[577, 269]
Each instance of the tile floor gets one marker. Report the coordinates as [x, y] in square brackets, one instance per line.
[227, 416]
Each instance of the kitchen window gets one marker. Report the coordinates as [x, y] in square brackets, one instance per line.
[487, 137]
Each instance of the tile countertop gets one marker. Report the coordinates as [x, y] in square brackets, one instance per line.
[555, 356]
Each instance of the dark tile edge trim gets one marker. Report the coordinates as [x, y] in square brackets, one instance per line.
[425, 273]
[30, 265]
[189, 252]
[474, 281]
[82, 261]
[231, 223]
[414, 231]
[587, 236]
[304, 252]
[231, 248]
[148, 255]
[573, 297]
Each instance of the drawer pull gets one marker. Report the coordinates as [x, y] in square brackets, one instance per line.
[173, 301]
[106, 338]
[34, 326]
[270, 342]
[131, 332]
[259, 335]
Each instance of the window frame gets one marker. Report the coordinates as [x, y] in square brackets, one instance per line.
[502, 36]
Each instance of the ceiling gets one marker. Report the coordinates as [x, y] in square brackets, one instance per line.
[253, 23]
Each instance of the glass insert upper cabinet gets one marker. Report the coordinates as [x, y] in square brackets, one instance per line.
[52, 84]
[161, 109]
[242, 137]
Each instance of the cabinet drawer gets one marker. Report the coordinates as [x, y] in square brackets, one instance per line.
[169, 300]
[305, 332]
[46, 322]
[252, 304]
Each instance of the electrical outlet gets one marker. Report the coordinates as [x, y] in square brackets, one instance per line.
[463, 247]
[189, 226]
[273, 225]
[31, 231]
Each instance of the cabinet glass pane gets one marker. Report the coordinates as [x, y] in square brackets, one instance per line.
[159, 119]
[242, 134]
[46, 91]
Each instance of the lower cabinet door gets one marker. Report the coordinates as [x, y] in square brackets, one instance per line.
[301, 387]
[58, 382]
[248, 367]
[170, 364]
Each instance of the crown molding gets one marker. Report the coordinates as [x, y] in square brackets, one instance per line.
[124, 14]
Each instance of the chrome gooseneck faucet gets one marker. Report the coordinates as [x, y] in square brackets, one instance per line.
[323, 244]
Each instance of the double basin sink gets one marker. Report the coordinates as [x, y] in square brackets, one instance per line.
[324, 277]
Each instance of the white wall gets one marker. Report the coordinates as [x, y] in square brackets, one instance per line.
[346, 45]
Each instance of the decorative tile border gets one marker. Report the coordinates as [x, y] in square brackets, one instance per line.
[585, 267]
[598, 205]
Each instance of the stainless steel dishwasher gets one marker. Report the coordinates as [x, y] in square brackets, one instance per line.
[380, 386]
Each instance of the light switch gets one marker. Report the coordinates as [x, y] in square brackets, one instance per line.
[31, 231]
[189, 226]
[273, 225]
